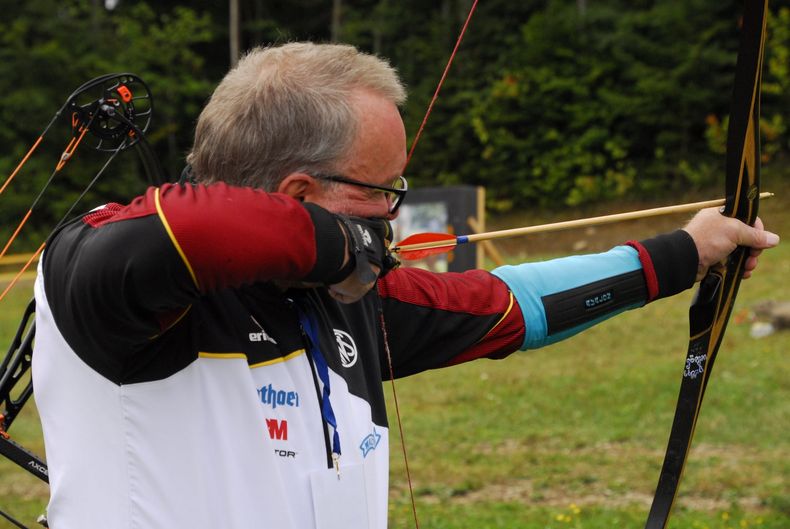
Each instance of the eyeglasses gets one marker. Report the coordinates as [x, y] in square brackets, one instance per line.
[394, 194]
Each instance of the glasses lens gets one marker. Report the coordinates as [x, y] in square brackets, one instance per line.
[396, 198]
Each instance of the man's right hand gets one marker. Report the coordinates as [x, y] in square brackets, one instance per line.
[367, 257]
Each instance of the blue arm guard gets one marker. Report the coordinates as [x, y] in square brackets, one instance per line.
[562, 297]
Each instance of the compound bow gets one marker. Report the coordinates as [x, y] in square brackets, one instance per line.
[117, 110]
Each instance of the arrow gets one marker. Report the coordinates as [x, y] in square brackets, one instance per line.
[423, 245]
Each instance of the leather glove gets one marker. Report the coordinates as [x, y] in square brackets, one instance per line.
[368, 243]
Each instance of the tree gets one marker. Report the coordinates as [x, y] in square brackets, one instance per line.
[48, 49]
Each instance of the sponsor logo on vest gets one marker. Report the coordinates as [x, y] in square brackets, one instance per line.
[261, 337]
[285, 453]
[346, 347]
[370, 443]
[277, 429]
[275, 397]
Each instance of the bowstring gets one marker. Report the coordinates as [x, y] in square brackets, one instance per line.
[35, 146]
[63, 219]
[397, 413]
[383, 327]
[441, 83]
[68, 153]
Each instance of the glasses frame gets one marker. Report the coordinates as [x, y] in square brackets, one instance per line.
[400, 194]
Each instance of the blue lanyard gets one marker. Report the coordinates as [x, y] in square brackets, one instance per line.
[309, 327]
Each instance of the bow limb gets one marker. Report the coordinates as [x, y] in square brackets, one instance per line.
[713, 303]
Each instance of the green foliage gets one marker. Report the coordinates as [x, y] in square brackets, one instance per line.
[596, 107]
[50, 48]
[775, 96]
[776, 88]
[620, 100]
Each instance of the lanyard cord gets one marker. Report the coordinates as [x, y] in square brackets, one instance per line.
[308, 325]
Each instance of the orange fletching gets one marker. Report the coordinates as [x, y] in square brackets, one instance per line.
[422, 245]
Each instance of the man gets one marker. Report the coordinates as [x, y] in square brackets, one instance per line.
[230, 337]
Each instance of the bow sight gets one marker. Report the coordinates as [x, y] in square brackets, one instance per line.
[116, 109]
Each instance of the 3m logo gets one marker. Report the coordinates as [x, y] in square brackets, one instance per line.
[278, 430]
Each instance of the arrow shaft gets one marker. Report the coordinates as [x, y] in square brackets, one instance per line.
[569, 224]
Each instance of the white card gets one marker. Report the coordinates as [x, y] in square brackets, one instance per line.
[340, 503]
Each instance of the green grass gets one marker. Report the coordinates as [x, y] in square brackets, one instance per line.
[573, 435]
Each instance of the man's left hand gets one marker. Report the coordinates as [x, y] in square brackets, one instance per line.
[717, 236]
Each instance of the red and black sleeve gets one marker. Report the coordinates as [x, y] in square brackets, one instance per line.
[425, 312]
[138, 267]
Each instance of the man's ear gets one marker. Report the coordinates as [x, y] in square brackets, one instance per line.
[298, 185]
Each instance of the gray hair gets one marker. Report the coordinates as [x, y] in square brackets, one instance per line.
[286, 109]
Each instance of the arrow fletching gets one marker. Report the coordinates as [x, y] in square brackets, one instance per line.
[422, 245]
